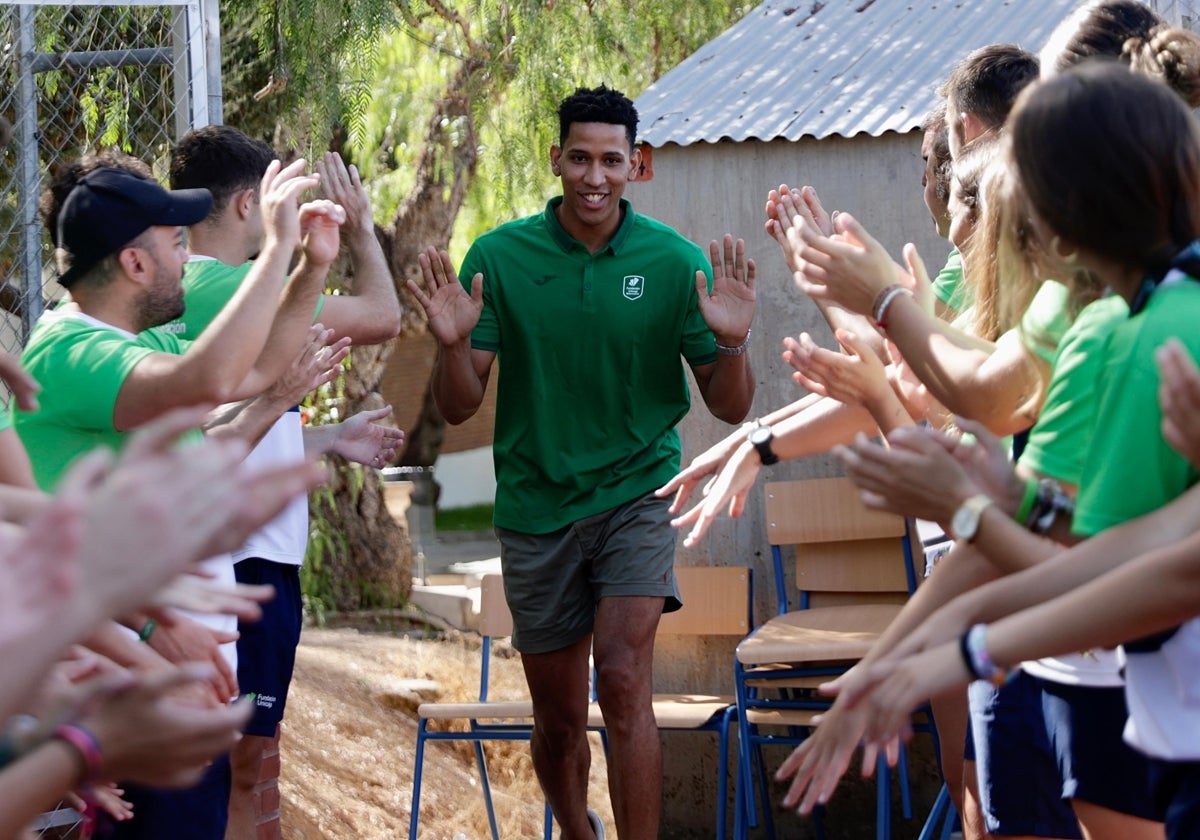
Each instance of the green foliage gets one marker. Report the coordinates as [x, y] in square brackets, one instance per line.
[471, 518]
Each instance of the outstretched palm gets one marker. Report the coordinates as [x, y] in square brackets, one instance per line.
[729, 308]
[452, 313]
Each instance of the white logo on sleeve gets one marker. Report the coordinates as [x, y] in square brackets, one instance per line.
[634, 284]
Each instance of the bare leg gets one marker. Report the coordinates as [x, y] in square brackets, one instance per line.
[950, 714]
[624, 651]
[558, 685]
[974, 828]
[1100, 823]
[245, 762]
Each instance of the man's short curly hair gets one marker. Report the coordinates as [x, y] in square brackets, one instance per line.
[597, 105]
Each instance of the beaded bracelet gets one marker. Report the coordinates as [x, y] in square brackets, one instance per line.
[1031, 494]
[974, 645]
[86, 745]
[880, 311]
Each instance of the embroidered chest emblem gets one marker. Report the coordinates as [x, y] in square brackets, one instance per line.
[633, 286]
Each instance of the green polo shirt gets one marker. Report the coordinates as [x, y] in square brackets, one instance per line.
[208, 285]
[590, 381]
[1130, 469]
[81, 364]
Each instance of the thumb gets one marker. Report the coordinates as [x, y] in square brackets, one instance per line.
[702, 284]
[916, 265]
[375, 414]
[853, 343]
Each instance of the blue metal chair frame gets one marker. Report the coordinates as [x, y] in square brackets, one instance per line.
[751, 740]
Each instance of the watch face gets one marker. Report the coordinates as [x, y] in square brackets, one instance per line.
[760, 435]
[965, 522]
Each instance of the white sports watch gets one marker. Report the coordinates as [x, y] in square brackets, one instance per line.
[965, 522]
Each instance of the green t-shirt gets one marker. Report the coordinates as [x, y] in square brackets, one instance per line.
[1046, 320]
[590, 382]
[1060, 439]
[81, 364]
[208, 285]
[1130, 469]
[948, 286]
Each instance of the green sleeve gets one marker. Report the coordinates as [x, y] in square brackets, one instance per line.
[1046, 320]
[948, 286]
[1062, 435]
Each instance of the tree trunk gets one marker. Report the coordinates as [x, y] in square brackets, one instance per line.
[373, 563]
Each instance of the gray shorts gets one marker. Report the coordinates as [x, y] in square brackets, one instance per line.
[554, 581]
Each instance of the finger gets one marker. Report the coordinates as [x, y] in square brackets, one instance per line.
[225, 680]
[702, 285]
[728, 257]
[916, 265]
[375, 414]
[820, 217]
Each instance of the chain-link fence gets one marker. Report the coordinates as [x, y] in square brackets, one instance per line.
[78, 78]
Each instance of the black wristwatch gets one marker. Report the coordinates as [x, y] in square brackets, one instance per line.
[760, 438]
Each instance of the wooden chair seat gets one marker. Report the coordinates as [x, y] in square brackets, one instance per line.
[782, 717]
[821, 634]
[492, 710]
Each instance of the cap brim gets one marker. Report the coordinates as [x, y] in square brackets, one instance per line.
[186, 207]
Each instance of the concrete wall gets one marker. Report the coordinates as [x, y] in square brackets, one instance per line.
[704, 191]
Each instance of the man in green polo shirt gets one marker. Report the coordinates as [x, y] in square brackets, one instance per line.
[589, 306]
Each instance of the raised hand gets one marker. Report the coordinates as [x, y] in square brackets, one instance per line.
[320, 230]
[856, 377]
[915, 477]
[319, 362]
[279, 192]
[729, 308]
[180, 639]
[362, 439]
[818, 764]
[343, 186]
[452, 313]
[849, 268]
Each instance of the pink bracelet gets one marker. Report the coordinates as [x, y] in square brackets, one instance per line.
[86, 745]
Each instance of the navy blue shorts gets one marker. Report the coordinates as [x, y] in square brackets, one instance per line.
[1019, 785]
[1175, 786]
[266, 648]
[1085, 725]
[197, 813]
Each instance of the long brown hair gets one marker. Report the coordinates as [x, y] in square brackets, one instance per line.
[1110, 161]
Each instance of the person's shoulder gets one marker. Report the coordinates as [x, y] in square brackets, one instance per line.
[524, 227]
[206, 272]
[663, 235]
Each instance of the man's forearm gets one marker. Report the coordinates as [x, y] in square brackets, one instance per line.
[457, 387]
[374, 287]
[290, 325]
[730, 389]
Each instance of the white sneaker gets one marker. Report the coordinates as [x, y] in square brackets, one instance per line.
[597, 824]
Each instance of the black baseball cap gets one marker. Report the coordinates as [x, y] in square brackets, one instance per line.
[109, 208]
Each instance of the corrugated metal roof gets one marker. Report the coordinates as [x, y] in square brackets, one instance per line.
[807, 68]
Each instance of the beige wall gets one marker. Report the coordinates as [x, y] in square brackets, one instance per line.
[704, 191]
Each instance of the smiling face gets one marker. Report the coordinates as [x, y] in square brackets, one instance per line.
[595, 162]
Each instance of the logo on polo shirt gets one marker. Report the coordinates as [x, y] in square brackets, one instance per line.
[633, 286]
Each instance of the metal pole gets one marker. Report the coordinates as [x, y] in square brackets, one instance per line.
[210, 12]
[27, 178]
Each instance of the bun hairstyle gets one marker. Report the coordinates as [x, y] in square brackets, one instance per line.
[1170, 55]
[1132, 32]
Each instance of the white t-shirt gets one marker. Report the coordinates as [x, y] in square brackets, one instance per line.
[1162, 690]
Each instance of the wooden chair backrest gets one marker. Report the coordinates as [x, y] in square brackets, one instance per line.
[844, 552]
[494, 617]
[716, 602]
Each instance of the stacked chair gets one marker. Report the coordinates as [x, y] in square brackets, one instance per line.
[853, 571]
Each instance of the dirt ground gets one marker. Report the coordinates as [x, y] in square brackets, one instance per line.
[350, 734]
